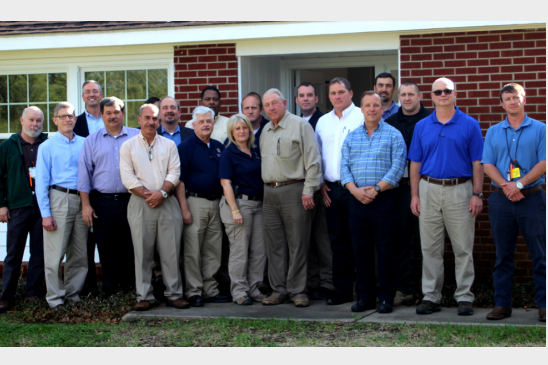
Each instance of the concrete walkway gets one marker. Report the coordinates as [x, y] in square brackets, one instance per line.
[319, 311]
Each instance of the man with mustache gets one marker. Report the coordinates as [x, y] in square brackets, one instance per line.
[19, 208]
[211, 98]
[149, 168]
[105, 198]
[385, 85]
[199, 192]
[64, 229]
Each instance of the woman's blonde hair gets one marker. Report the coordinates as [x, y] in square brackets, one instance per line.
[237, 118]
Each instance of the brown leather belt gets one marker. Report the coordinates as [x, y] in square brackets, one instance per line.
[523, 191]
[288, 182]
[247, 197]
[65, 190]
[445, 182]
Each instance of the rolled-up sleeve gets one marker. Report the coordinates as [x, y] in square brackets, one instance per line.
[127, 171]
[174, 165]
[398, 157]
[346, 174]
[43, 171]
[85, 168]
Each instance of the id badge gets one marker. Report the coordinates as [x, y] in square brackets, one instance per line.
[32, 172]
[515, 172]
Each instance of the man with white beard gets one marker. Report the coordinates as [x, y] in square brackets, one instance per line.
[19, 209]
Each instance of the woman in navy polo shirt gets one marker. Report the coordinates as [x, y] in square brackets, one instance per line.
[242, 211]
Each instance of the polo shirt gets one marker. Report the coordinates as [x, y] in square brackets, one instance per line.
[446, 151]
[200, 165]
[243, 170]
[527, 144]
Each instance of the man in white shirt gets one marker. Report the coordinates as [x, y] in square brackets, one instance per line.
[331, 131]
[211, 98]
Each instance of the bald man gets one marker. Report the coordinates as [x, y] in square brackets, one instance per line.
[19, 209]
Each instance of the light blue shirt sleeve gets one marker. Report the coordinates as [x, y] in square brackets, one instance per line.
[542, 145]
[399, 158]
[85, 168]
[43, 173]
[346, 174]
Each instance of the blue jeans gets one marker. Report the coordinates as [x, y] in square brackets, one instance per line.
[529, 216]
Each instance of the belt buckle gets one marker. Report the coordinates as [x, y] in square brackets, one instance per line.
[443, 182]
[276, 184]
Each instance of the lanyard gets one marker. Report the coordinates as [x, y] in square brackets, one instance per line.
[508, 146]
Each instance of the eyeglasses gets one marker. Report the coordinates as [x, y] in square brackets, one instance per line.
[439, 92]
[150, 153]
[65, 116]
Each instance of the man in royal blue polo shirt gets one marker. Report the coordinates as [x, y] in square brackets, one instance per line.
[514, 158]
[199, 193]
[446, 185]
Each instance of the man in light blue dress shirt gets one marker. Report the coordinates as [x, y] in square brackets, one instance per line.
[64, 229]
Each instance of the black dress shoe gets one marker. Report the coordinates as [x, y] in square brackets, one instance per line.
[385, 308]
[219, 298]
[339, 299]
[362, 306]
[428, 307]
[196, 301]
[465, 309]
[317, 294]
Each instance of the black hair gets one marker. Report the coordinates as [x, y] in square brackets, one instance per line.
[383, 75]
[152, 100]
[307, 84]
[211, 87]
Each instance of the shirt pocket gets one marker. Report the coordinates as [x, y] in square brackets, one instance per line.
[285, 147]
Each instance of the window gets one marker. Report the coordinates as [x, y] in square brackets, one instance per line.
[20, 91]
[134, 87]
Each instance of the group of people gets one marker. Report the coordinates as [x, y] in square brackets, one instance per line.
[290, 209]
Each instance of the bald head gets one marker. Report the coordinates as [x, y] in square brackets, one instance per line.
[34, 108]
[445, 82]
[31, 121]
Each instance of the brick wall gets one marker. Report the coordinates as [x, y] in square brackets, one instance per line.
[480, 63]
[199, 66]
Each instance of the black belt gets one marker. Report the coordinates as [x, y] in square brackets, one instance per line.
[247, 197]
[65, 190]
[204, 196]
[445, 182]
[338, 182]
[523, 191]
[121, 196]
[283, 183]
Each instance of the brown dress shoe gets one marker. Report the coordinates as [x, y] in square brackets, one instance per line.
[177, 303]
[542, 315]
[499, 313]
[145, 305]
[301, 302]
[274, 300]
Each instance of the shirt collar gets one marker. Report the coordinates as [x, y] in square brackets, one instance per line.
[164, 131]
[199, 141]
[144, 140]
[378, 129]
[123, 132]
[346, 112]
[283, 122]
[454, 120]
[526, 122]
[91, 115]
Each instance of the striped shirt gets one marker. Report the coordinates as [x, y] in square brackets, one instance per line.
[368, 160]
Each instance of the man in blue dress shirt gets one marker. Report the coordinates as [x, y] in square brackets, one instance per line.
[170, 115]
[385, 84]
[65, 232]
[514, 158]
[372, 163]
[446, 192]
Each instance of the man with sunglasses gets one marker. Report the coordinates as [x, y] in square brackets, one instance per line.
[514, 158]
[446, 192]
[149, 167]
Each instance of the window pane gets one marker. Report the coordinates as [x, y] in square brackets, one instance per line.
[58, 87]
[136, 85]
[15, 113]
[18, 88]
[116, 84]
[38, 88]
[3, 89]
[98, 76]
[132, 110]
[157, 83]
[3, 119]
[52, 126]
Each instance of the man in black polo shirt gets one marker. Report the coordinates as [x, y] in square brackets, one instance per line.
[404, 120]
[199, 193]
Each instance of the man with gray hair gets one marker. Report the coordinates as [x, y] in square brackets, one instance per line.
[199, 193]
[291, 171]
[105, 198]
[64, 229]
[149, 169]
[19, 208]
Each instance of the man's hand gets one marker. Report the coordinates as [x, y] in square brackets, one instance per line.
[237, 217]
[363, 195]
[476, 205]
[517, 197]
[416, 206]
[323, 190]
[88, 214]
[154, 198]
[187, 217]
[308, 202]
[510, 189]
[49, 224]
[4, 214]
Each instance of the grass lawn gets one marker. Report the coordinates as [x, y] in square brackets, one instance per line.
[259, 333]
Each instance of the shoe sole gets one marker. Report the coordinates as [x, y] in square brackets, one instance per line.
[196, 305]
[429, 312]
[499, 318]
[284, 302]
[465, 313]
[186, 306]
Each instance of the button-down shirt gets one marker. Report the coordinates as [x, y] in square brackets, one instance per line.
[175, 137]
[99, 163]
[392, 110]
[368, 160]
[94, 124]
[57, 164]
[137, 169]
[330, 134]
[527, 144]
[219, 128]
[290, 152]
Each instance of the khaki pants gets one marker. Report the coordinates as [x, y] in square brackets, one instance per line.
[320, 256]
[69, 238]
[163, 226]
[446, 206]
[247, 259]
[287, 238]
[202, 247]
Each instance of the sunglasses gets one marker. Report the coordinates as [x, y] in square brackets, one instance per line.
[439, 92]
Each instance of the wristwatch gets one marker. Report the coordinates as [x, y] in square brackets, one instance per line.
[164, 194]
[377, 189]
[480, 195]
[519, 185]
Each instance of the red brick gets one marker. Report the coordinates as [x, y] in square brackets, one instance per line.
[233, 80]
[233, 65]
[228, 87]
[534, 68]
[405, 57]
[217, 80]
[432, 64]
[228, 72]
[472, 78]
[188, 88]
[433, 35]
[497, 109]
[500, 61]
[489, 85]
[231, 50]
[405, 73]
[540, 117]
[487, 117]
[410, 50]
[196, 95]
[527, 76]
[529, 84]
[467, 86]
[227, 58]
[406, 65]
[535, 36]
[444, 56]
[499, 31]
[467, 70]
[501, 45]
[489, 102]
[482, 62]
[423, 72]
[404, 42]
[477, 33]
[489, 38]
[532, 92]
[421, 42]
[540, 44]
[542, 91]
[518, 68]
[207, 59]
[512, 37]
[410, 36]
[534, 52]
[541, 108]
[469, 102]
[478, 110]
[513, 53]
[207, 73]
[469, 39]
[489, 54]
[455, 48]
[444, 40]
[526, 44]
[477, 46]
[217, 51]
[443, 71]
[455, 63]
[421, 57]
[197, 52]
[188, 102]
[478, 94]
[216, 66]
[541, 59]
[488, 70]
[197, 66]
[197, 81]
[536, 100]
[433, 49]
[180, 67]
[186, 74]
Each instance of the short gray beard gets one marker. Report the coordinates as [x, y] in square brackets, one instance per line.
[32, 134]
